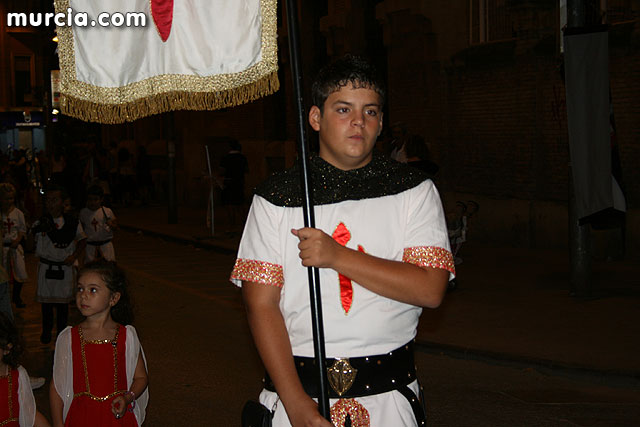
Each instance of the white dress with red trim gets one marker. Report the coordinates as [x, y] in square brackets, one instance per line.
[406, 226]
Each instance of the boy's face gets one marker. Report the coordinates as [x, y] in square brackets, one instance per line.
[348, 127]
[66, 205]
[7, 200]
[94, 202]
[53, 203]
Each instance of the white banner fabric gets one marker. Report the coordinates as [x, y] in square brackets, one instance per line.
[217, 54]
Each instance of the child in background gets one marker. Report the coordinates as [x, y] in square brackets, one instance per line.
[59, 241]
[17, 404]
[99, 370]
[98, 223]
[14, 229]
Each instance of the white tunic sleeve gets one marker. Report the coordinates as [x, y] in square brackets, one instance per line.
[21, 225]
[260, 254]
[27, 401]
[427, 240]
[131, 354]
[63, 369]
[80, 232]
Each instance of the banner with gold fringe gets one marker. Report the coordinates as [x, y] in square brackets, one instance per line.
[121, 60]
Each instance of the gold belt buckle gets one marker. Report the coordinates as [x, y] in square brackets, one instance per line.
[341, 375]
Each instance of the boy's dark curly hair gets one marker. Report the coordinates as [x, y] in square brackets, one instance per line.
[116, 281]
[9, 336]
[348, 70]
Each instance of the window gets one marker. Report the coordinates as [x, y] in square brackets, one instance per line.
[489, 20]
[23, 80]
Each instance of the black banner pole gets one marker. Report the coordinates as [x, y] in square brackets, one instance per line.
[307, 207]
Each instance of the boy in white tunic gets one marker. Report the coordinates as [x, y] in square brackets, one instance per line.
[98, 223]
[381, 245]
[59, 241]
[14, 229]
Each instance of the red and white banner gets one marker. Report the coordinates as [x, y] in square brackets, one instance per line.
[189, 55]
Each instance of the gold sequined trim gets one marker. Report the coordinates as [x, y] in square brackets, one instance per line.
[258, 271]
[114, 345]
[358, 413]
[167, 92]
[430, 256]
[100, 398]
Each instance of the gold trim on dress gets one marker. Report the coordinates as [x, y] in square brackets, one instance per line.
[167, 92]
[114, 345]
[11, 418]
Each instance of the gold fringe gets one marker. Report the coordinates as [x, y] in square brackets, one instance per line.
[169, 101]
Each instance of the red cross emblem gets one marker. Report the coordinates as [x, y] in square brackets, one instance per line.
[95, 223]
[8, 224]
[342, 235]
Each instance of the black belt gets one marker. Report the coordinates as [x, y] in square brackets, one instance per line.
[368, 376]
[99, 242]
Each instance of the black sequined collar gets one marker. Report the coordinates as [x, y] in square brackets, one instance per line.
[380, 177]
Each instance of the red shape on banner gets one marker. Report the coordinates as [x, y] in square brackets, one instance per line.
[162, 13]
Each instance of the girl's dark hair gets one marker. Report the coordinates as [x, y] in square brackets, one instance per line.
[116, 281]
[348, 70]
[9, 335]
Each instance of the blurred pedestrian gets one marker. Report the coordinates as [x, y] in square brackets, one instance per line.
[98, 223]
[399, 137]
[419, 157]
[14, 229]
[60, 240]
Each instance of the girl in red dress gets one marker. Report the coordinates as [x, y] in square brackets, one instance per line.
[99, 371]
[17, 405]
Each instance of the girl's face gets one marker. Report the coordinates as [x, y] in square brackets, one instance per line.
[93, 297]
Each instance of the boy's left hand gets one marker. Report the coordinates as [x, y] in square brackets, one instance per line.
[317, 248]
[119, 406]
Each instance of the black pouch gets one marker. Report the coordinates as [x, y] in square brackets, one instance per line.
[54, 272]
[255, 414]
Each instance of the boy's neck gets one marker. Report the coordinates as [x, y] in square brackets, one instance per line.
[344, 167]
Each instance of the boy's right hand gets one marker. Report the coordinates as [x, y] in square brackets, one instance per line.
[317, 248]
